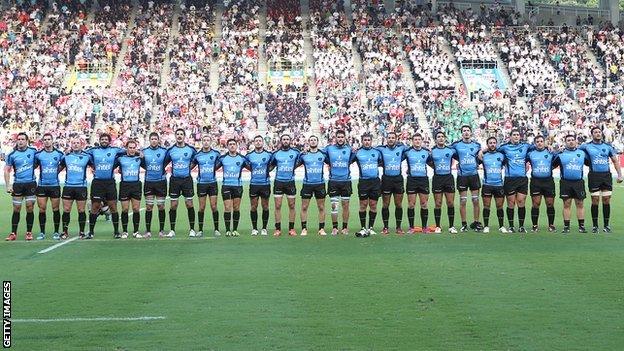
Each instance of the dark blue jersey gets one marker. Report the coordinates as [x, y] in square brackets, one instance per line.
[392, 158]
[129, 167]
[417, 161]
[493, 164]
[104, 160]
[232, 169]
[368, 161]
[48, 163]
[75, 164]
[206, 162]
[23, 163]
[181, 159]
[339, 159]
[541, 162]
[466, 156]
[313, 165]
[284, 162]
[571, 162]
[441, 160]
[599, 155]
[516, 155]
[154, 161]
[259, 163]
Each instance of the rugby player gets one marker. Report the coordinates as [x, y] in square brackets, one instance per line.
[181, 156]
[392, 184]
[493, 164]
[572, 185]
[284, 161]
[75, 164]
[22, 162]
[207, 189]
[368, 160]
[129, 165]
[516, 183]
[233, 164]
[155, 186]
[441, 161]
[259, 185]
[313, 162]
[48, 161]
[542, 183]
[339, 158]
[417, 183]
[466, 151]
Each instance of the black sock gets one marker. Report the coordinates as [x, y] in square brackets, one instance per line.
[398, 216]
[385, 216]
[521, 216]
[278, 226]
[501, 217]
[191, 217]
[566, 223]
[510, 216]
[451, 216]
[56, 215]
[464, 224]
[15, 221]
[363, 219]
[66, 219]
[173, 215]
[148, 220]
[581, 222]
[304, 224]
[254, 219]
[606, 213]
[550, 213]
[42, 221]
[115, 222]
[215, 219]
[345, 225]
[136, 220]
[424, 217]
[30, 220]
[486, 216]
[227, 216]
[372, 215]
[162, 218]
[92, 219]
[124, 221]
[291, 225]
[411, 213]
[200, 217]
[265, 218]
[334, 225]
[594, 214]
[437, 214]
[534, 215]
[321, 225]
[82, 221]
[236, 219]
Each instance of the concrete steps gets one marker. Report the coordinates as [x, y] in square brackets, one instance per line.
[309, 64]
[262, 69]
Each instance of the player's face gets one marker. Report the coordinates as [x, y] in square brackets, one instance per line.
[48, 142]
[570, 143]
[232, 146]
[285, 142]
[313, 141]
[104, 141]
[440, 139]
[76, 144]
[417, 142]
[131, 149]
[180, 136]
[22, 141]
[340, 139]
[491, 144]
[367, 142]
[515, 137]
[597, 134]
[466, 133]
[392, 138]
[539, 143]
[206, 142]
[154, 141]
[258, 143]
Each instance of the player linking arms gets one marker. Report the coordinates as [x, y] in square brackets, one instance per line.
[232, 189]
[542, 183]
[313, 162]
[75, 164]
[339, 158]
[443, 183]
[417, 183]
[181, 156]
[22, 161]
[155, 187]
[284, 161]
[392, 182]
[467, 177]
[493, 163]
[130, 188]
[206, 161]
[572, 186]
[259, 185]
[368, 161]
[48, 161]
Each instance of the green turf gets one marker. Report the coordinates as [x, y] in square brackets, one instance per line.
[465, 292]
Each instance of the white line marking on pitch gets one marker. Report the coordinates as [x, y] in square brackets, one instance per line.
[55, 246]
[94, 319]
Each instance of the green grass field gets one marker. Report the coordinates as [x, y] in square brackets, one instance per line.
[425, 292]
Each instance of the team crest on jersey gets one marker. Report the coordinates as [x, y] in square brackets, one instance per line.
[397, 153]
[498, 159]
[320, 159]
[423, 156]
[604, 150]
[56, 159]
[545, 156]
[291, 156]
[185, 154]
[157, 155]
[108, 154]
[578, 155]
[263, 159]
[136, 160]
[80, 157]
[28, 156]
[447, 155]
[211, 157]
[344, 152]
[238, 163]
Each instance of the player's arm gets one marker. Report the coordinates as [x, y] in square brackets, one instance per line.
[219, 162]
[7, 177]
[556, 161]
[616, 164]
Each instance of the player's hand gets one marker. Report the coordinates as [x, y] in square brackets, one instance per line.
[620, 179]
[9, 189]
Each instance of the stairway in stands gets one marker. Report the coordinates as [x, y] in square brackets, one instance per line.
[309, 64]
[262, 69]
[214, 65]
[357, 60]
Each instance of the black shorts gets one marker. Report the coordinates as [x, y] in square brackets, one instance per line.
[572, 189]
[443, 183]
[316, 190]
[103, 190]
[392, 185]
[209, 189]
[258, 190]
[543, 186]
[24, 189]
[229, 192]
[490, 190]
[181, 186]
[78, 193]
[155, 188]
[369, 189]
[472, 182]
[129, 190]
[418, 185]
[513, 185]
[338, 188]
[284, 188]
[600, 181]
[52, 192]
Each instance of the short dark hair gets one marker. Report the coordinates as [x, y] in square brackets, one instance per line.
[180, 129]
[313, 136]
[367, 135]
[230, 139]
[105, 135]
[285, 135]
[131, 141]
[539, 137]
[594, 128]
[389, 133]
[490, 138]
[438, 133]
[47, 134]
[154, 134]
[24, 134]
[570, 136]
[417, 135]
[514, 130]
[340, 131]
[465, 126]
[258, 136]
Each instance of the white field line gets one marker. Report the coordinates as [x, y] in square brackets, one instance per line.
[56, 246]
[93, 319]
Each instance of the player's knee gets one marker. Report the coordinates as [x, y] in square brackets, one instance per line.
[463, 200]
[475, 199]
